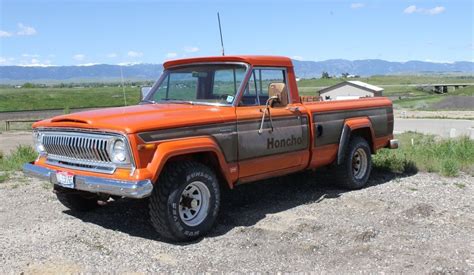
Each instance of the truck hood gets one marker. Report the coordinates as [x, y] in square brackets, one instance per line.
[139, 118]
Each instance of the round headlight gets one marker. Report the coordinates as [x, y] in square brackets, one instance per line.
[119, 152]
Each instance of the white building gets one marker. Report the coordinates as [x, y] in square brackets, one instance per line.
[350, 90]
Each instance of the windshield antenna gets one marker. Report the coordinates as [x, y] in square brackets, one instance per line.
[123, 87]
[220, 31]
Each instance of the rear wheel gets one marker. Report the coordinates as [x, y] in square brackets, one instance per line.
[354, 171]
[185, 202]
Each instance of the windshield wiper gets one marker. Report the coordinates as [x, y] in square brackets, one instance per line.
[178, 101]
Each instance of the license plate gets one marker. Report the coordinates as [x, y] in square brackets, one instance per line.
[65, 179]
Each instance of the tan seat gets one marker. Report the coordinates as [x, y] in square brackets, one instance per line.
[279, 90]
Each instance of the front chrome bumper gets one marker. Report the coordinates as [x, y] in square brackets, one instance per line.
[129, 189]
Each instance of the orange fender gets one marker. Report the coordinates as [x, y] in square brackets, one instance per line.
[359, 123]
[351, 125]
[169, 149]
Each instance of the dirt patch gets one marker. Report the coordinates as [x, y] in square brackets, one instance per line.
[420, 210]
[454, 103]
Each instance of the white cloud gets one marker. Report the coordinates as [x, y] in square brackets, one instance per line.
[6, 60]
[436, 10]
[79, 57]
[128, 63]
[297, 57]
[171, 55]
[88, 64]
[25, 30]
[357, 5]
[30, 55]
[134, 54]
[410, 9]
[191, 49]
[433, 11]
[111, 55]
[35, 62]
[5, 34]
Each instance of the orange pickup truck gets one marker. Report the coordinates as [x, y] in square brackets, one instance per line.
[208, 123]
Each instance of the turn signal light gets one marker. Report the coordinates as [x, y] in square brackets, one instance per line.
[146, 147]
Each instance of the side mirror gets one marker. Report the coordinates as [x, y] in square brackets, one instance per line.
[279, 91]
[144, 92]
[269, 104]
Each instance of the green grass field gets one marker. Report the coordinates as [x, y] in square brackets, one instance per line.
[18, 99]
[420, 152]
[461, 99]
[408, 97]
[391, 80]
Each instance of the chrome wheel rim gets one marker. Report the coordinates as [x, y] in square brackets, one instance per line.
[194, 203]
[359, 163]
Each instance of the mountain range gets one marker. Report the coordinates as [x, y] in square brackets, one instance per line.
[303, 69]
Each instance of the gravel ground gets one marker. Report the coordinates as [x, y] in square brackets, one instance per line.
[404, 113]
[421, 223]
[10, 140]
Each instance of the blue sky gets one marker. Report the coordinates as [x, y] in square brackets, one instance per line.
[115, 32]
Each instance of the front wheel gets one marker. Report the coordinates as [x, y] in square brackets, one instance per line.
[185, 202]
[354, 171]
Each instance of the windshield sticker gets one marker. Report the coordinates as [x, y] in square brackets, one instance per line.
[230, 99]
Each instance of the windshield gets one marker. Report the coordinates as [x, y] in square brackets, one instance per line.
[199, 84]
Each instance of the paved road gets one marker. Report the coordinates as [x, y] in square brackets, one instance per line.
[440, 127]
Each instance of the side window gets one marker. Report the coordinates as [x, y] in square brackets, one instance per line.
[256, 92]
[268, 76]
[226, 83]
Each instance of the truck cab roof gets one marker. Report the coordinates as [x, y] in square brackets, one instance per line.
[254, 60]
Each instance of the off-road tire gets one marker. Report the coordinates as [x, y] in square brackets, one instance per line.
[77, 202]
[345, 174]
[164, 203]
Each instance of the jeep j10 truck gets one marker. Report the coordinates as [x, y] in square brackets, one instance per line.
[208, 123]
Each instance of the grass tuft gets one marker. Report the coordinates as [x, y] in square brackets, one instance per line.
[17, 158]
[445, 156]
[4, 177]
[449, 168]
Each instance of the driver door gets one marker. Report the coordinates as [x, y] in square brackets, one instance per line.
[281, 143]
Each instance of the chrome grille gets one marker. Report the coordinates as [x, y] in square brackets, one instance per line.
[76, 146]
